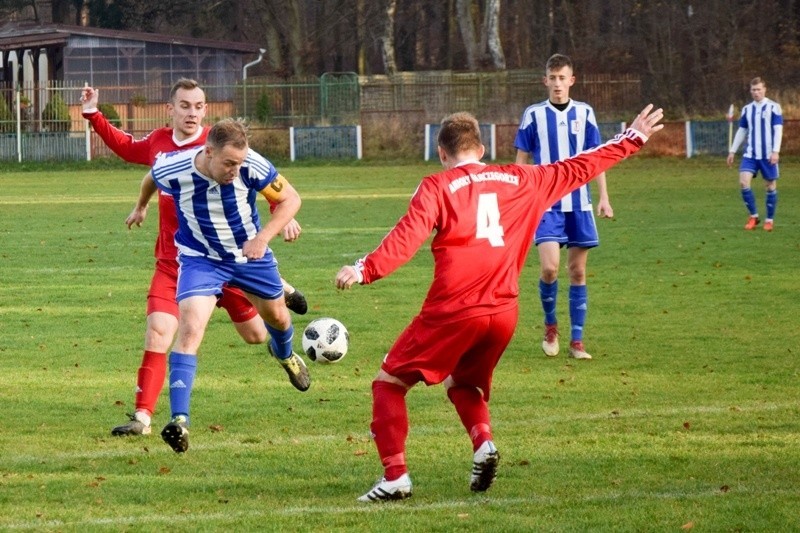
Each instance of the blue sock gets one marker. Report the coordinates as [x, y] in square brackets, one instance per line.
[182, 368]
[772, 202]
[281, 341]
[577, 310]
[749, 201]
[548, 293]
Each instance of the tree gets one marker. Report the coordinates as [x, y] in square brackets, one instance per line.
[465, 24]
[282, 22]
[489, 50]
[491, 34]
[387, 39]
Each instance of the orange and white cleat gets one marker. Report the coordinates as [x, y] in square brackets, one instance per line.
[550, 342]
[767, 225]
[752, 222]
[577, 351]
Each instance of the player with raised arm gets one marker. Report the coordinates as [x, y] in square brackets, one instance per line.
[552, 131]
[761, 124]
[483, 218]
[187, 109]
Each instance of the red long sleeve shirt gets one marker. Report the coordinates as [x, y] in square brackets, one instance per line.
[144, 152]
[485, 217]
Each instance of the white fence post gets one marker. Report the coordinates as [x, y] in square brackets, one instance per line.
[689, 142]
[19, 126]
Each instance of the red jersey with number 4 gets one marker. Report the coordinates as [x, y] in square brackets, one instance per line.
[144, 151]
[484, 217]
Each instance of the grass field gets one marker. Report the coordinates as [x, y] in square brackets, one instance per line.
[687, 418]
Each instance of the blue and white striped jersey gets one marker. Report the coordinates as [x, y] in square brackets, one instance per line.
[760, 120]
[214, 220]
[550, 135]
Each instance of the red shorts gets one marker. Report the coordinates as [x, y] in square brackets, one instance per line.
[468, 350]
[161, 296]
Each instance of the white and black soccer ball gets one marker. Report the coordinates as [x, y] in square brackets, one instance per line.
[325, 340]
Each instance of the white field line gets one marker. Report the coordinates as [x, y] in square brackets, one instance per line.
[132, 199]
[234, 444]
[407, 507]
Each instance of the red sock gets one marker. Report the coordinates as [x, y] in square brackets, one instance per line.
[474, 413]
[150, 380]
[390, 427]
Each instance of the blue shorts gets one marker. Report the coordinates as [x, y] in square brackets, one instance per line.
[768, 171]
[201, 276]
[570, 228]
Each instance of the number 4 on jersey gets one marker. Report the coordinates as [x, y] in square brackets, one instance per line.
[488, 221]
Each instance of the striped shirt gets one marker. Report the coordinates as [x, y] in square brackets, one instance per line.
[550, 135]
[761, 120]
[214, 220]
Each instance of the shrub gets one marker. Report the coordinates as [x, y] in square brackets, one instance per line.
[110, 112]
[56, 114]
[264, 109]
[8, 120]
[138, 100]
[272, 143]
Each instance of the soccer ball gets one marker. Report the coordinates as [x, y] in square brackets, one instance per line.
[325, 340]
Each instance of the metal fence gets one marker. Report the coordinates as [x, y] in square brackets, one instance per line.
[45, 123]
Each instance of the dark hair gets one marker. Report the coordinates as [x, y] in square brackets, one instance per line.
[757, 80]
[557, 61]
[459, 132]
[185, 84]
[226, 132]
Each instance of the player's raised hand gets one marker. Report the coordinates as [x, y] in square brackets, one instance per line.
[89, 98]
[647, 122]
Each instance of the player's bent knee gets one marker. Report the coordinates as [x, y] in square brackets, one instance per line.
[254, 336]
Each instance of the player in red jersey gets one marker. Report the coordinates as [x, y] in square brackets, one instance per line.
[187, 108]
[484, 218]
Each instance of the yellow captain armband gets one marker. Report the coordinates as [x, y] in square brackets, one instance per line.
[274, 191]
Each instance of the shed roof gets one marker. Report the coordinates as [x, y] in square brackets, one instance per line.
[25, 35]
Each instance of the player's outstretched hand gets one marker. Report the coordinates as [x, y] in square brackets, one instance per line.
[346, 277]
[647, 122]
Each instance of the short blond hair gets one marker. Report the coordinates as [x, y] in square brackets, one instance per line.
[226, 132]
[186, 84]
[459, 132]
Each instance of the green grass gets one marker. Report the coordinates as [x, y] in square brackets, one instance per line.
[687, 416]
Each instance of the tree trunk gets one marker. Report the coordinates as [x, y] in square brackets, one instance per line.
[361, 52]
[295, 36]
[467, 32]
[274, 48]
[387, 40]
[491, 29]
